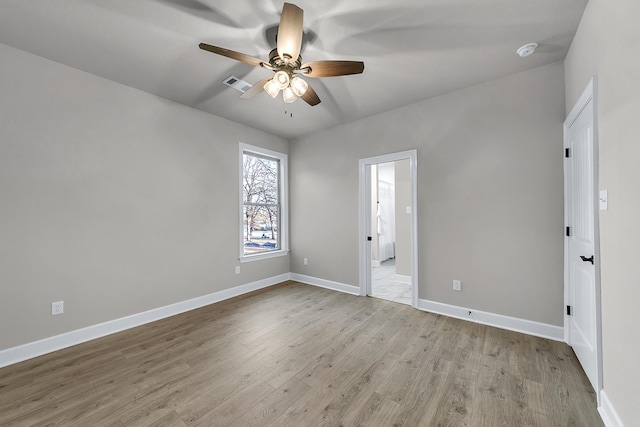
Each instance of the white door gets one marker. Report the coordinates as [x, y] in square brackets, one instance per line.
[582, 255]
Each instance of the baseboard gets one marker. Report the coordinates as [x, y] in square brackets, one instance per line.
[68, 339]
[328, 284]
[499, 321]
[402, 279]
[607, 412]
[37, 348]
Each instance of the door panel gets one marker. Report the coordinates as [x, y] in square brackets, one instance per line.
[584, 334]
[581, 215]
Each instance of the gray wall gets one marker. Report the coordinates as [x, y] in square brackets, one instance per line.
[490, 204]
[607, 44]
[113, 200]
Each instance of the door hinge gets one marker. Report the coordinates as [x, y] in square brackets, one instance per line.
[568, 310]
[566, 152]
[568, 231]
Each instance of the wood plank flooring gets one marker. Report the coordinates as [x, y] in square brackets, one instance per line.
[297, 355]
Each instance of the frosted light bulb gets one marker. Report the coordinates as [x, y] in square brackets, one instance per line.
[271, 88]
[281, 79]
[299, 86]
[289, 96]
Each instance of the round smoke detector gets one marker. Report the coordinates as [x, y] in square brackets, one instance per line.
[527, 49]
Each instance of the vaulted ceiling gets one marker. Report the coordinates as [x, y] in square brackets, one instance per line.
[412, 49]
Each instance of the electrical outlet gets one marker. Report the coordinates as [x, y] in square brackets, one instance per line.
[457, 285]
[237, 269]
[57, 308]
[306, 261]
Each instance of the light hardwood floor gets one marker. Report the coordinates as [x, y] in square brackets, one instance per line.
[297, 355]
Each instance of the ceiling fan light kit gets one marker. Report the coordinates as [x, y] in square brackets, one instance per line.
[291, 88]
[285, 61]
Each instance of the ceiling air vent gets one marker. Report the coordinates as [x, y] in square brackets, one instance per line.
[237, 84]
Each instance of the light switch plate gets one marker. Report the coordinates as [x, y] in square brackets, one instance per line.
[604, 200]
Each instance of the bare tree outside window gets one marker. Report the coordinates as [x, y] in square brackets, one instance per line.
[261, 203]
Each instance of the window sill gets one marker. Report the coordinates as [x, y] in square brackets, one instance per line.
[265, 255]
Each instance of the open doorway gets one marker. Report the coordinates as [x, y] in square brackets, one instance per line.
[388, 252]
[391, 231]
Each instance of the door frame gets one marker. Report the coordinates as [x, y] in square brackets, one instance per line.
[364, 247]
[589, 95]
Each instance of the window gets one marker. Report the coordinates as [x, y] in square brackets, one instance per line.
[263, 203]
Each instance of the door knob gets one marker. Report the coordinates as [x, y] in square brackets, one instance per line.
[585, 259]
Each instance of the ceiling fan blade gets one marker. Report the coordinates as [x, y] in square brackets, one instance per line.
[232, 54]
[311, 97]
[290, 32]
[333, 68]
[255, 89]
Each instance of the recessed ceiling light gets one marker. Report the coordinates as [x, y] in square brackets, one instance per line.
[527, 49]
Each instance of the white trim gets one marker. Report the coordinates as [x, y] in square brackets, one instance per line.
[68, 339]
[263, 255]
[524, 326]
[284, 203]
[590, 94]
[587, 95]
[402, 279]
[327, 284]
[364, 215]
[607, 412]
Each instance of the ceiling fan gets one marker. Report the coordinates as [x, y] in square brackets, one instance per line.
[286, 62]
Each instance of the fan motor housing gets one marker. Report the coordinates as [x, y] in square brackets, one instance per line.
[280, 64]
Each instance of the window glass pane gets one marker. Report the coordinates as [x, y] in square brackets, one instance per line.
[261, 203]
[261, 181]
[260, 229]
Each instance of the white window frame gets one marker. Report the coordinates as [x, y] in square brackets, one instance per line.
[284, 203]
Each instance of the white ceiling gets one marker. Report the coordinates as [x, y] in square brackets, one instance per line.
[412, 49]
